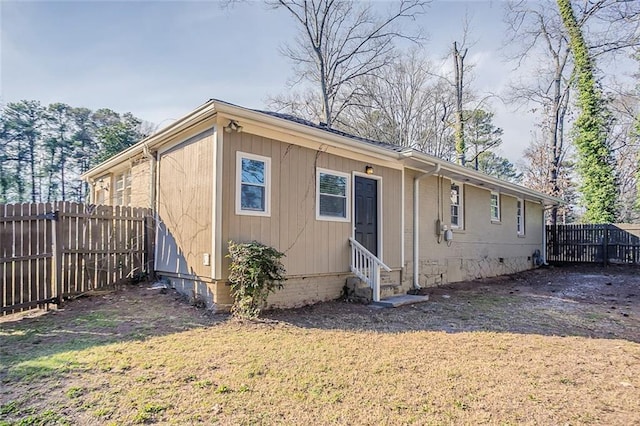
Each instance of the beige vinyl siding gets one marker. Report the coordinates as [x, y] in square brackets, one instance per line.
[533, 221]
[497, 239]
[140, 184]
[312, 246]
[477, 249]
[105, 189]
[185, 179]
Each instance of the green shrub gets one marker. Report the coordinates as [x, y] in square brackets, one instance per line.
[255, 272]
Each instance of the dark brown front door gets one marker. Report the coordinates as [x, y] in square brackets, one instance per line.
[366, 213]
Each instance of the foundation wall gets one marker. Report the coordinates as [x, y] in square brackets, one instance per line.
[480, 248]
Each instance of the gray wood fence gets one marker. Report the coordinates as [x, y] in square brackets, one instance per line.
[588, 243]
[52, 250]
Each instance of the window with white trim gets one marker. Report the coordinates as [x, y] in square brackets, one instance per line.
[123, 189]
[457, 205]
[332, 195]
[253, 184]
[495, 207]
[520, 216]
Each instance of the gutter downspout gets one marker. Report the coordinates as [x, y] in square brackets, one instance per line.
[416, 224]
[152, 181]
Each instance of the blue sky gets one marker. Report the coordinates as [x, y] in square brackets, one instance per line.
[160, 59]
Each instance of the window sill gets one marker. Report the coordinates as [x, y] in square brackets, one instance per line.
[333, 219]
[522, 236]
[496, 222]
[252, 213]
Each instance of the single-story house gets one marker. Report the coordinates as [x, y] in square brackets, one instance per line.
[335, 204]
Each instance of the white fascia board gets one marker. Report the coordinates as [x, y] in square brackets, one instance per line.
[463, 174]
[473, 177]
[211, 107]
[239, 113]
[299, 129]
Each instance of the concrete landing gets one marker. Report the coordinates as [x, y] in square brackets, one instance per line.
[400, 300]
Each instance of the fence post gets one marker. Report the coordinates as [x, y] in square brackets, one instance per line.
[605, 246]
[56, 258]
[149, 228]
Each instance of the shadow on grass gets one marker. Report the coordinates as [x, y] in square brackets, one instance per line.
[561, 302]
[574, 301]
[43, 345]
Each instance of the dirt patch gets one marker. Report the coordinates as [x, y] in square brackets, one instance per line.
[564, 301]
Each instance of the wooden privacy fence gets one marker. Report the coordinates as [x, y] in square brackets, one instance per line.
[606, 243]
[52, 250]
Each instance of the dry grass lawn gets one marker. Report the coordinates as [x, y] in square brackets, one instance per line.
[137, 356]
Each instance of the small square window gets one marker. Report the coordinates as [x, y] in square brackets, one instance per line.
[495, 207]
[332, 195]
[253, 187]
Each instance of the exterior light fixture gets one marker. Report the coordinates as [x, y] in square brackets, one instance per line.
[233, 126]
[102, 185]
[368, 170]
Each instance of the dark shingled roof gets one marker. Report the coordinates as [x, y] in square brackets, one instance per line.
[298, 120]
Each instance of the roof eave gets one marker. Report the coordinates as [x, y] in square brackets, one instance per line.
[238, 112]
[465, 174]
[152, 141]
[214, 106]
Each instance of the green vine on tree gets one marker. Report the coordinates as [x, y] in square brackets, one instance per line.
[255, 272]
[595, 161]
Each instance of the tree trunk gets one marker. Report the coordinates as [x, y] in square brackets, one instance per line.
[554, 130]
[458, 62]
[595, 163]
[32, 169]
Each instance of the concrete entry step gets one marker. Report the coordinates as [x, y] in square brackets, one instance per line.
[400, 300]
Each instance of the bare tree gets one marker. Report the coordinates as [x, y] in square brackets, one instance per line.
[480, 134]
[459, 54]
[339, 43]
[610, 27]
[299, 103]
[438, 137]
[393, 103]
[624, 140]
[408, 104]
[536, 175]
[537, 29]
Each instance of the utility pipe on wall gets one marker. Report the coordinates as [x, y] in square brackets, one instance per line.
[416, 224]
